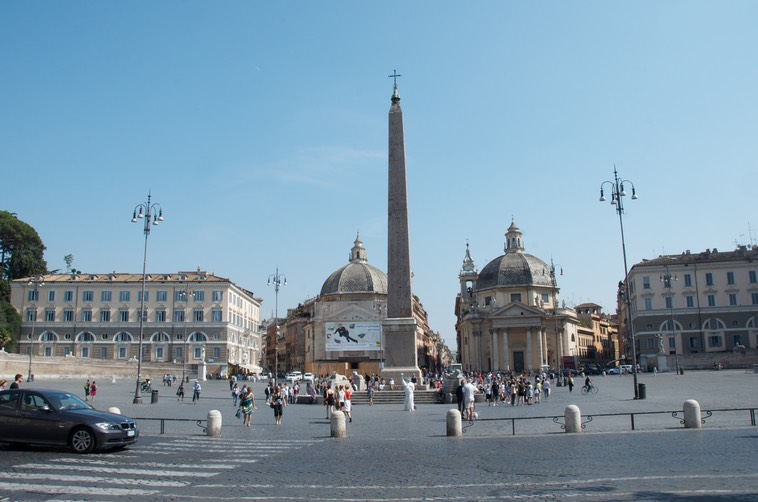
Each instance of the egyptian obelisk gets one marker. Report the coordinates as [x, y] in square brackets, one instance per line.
[400, 352]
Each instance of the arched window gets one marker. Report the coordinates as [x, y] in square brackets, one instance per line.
[48, 336]
[665, 326]
[198, 337]
[85, 337]
[161, 338]
[122, 337]
[714, 324]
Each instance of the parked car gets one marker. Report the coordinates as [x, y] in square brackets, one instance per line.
[308, 377]
[626, 368]
[616, 370]
[293, 376]
[593, 369]
[53, 417]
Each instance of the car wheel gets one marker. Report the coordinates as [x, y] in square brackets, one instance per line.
[82, 440]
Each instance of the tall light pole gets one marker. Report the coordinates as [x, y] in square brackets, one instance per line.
[558, 345]
[186, 292]
[617, 195]
[667, 279]
[144, 211]
[36, 281]
[277, 280]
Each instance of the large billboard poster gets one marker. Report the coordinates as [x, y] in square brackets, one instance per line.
[346, 336]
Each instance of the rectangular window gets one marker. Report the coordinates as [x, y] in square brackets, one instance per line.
[51, 295]
[736, 340]
[86, 315]
[515, 297]
[50, 315]
[124, 296]
[730, 278]
[648, 304]
[753, 276]
[199, 296]
[218, 296]
[123, 315]
[178, 316]
[714, 341]
[694, 342]
[711, 300]
[197, 315]
[651, 343]
[88, 296]
[161, 296]
[160, 315]
[68, 296]
[708, 279]
[687, 280]
[103, 352]
[672, 343]
[216, 352]
[198, 352]
[754, 298]
[646, 282]
[105, 316]
[487, 300]
[106, 296]
[545, 298]
[216, 313]
[690, 301]
[139, 296]
[122, 352]
[68, 315]
[669, 302]
[732, 299]
[33, 295]
[159, 353]
[179, 353]
[143, 313]
[31, 315]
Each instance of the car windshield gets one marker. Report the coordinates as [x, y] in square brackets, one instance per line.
[66, 401]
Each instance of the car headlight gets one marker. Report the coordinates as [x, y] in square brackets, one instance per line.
[106, 426]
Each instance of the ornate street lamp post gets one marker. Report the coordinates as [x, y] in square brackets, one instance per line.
[36, 281]
[144, 211]
[558, 344]
[617, 195]
[667, 280]
[185, 292]
[277, 280]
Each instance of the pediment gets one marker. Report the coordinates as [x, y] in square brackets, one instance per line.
[351, 312]
[519, 310]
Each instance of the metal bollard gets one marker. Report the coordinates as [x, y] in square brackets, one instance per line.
[573, 418]
[337, 425]
[114, 410]
[454, 427]
[214, 423]
[692, 414]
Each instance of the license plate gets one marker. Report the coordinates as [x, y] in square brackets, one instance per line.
[129, 434]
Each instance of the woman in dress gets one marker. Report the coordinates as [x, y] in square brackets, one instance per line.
[92, 391]
[329, 402]
[247, 405]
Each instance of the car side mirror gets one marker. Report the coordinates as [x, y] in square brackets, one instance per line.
[45, 408]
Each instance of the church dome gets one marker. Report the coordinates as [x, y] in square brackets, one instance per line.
[515, 267]
[357, 276]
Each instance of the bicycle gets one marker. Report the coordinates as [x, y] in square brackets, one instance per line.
[591, 390]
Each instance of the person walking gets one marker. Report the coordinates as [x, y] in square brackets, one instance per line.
[180, 391]
[469, 391]
[278, 402]
[329, 401]
[86, 390]
[92, 391]
[17, 380]
[236, 394]
[196, 392]
[348, 405]
[571, 383]
[247, 405]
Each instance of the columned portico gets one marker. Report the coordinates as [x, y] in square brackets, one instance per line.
[506, 351]
[495, 355]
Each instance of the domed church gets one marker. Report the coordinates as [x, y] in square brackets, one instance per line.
[508, 317]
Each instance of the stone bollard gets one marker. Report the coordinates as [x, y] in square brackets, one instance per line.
[454, 423]
[114, 410]
[692, 414]
[337, 425]
[214, 423]
[573, 418]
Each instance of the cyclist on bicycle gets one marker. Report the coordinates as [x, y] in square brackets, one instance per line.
[587, 383]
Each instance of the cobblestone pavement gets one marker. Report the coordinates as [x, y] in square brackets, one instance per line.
[393, 455]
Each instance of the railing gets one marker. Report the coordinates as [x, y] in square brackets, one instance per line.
[586, 419]
[198, 422]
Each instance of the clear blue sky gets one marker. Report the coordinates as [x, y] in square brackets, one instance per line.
[261, 128]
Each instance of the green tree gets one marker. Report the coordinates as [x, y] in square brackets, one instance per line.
[21, 255]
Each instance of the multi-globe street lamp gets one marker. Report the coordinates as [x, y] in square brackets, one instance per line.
[185, 293]
[35, 281]
[558, 344]
[617, 199]
[277, 280]
[151, 213]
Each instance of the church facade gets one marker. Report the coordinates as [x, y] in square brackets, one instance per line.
[508, 315]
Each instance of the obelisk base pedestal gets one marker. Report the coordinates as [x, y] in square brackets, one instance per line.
[400, 353]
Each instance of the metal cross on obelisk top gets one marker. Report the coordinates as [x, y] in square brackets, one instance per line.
[394, 76]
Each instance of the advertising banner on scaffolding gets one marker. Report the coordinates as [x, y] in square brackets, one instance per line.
[353, 336]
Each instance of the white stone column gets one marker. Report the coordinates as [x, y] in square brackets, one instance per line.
[495, 355]
[529, 357]
[540, 346]
[506, 351]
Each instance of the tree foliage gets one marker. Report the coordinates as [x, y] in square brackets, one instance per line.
[21, 255]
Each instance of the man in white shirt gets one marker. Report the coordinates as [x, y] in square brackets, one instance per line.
[469, 390]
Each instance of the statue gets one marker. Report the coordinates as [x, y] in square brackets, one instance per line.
[409, 387]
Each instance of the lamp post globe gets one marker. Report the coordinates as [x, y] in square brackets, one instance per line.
[35, 281]
[277, 280]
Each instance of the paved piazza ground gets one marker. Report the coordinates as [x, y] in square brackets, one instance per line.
[392, 455]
